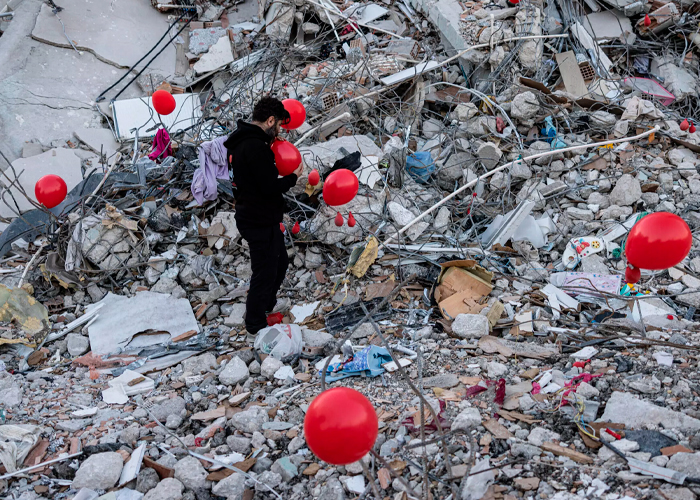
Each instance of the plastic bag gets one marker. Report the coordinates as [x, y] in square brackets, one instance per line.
[420, 166]
[280, 341]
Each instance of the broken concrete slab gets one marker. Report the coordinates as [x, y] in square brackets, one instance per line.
[156, 318]
[46, 92]
[635, 413]
[99, 140]
[59, 161]
[117, 33]
[218, 56]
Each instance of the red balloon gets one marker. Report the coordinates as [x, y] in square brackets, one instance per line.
[50, 190]
[351, 220]
[340, 187]
[296, 229]
[632, 275]
[314, 178]
[287, 156]
[282, 228]
[163, 102]
[692, 128]
[340, 426]
[684, 125]
[297, 114]
[647, 20]
[338, 220]
[658, 241]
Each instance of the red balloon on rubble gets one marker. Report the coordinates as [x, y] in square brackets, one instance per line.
[691, 129]
[658, 241]
[163, 102]
[297, 113]
[338, 220]
[282, 228]
[684, 125]
[50, 190]
[647, 20]
[340, 426]
[296, 228]
[287, 156]
[632, 275]
[351, 220]
[340, 187]
[314, 177]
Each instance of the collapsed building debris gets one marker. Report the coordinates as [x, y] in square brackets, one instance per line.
[504, 151]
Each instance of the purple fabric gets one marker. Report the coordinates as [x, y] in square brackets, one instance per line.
[213, 165]
[161, 142]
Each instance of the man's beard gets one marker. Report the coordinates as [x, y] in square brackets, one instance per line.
[272, 132]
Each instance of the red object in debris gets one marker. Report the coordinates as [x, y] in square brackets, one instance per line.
[669, 316]
[296, 228]
[535, 388]
[691, 129]
[274, 319]
[647, 20]
[163, 102]
[287, 156]
[581, 364]
[658, 241]
[297, 113]
[500, 392]
[340, 187]
[230, 158]
[685, 125]
[338, 220]
[500, 125]
[50, 190]
[282, 228]
[613, 434]
[198, 442]
[341, 426]
[632, 275]
[314, 178]
[351, 220]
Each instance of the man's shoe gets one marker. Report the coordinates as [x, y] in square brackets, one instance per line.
[250, 338]
[283, 305]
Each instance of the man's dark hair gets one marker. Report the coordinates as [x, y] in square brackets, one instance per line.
[267, 107]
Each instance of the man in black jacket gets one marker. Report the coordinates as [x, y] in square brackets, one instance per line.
[260, 205]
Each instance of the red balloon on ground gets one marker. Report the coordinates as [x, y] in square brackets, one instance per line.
[50, 190]
[340, 187]
[282, 228]
[314, 177]
[658, 241]
[287, 156]
[351, 220]
[632, 275]
[297, 113]
[338, 220]
[163, 102]
[340, 426]
[296, 229]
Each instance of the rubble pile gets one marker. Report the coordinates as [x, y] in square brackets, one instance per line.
[504, 151]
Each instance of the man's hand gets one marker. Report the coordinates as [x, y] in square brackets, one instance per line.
[299, 170]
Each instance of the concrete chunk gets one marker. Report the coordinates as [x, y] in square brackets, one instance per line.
[635, 413]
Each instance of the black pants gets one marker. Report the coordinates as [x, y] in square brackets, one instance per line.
[269, 261]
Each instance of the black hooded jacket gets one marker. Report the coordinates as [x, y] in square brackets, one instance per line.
[259, 188]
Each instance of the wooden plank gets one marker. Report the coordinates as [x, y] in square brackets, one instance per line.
[571, 74]
[162, 470]
[567, 452]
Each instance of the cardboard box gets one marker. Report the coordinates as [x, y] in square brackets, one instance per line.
[461, 288]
